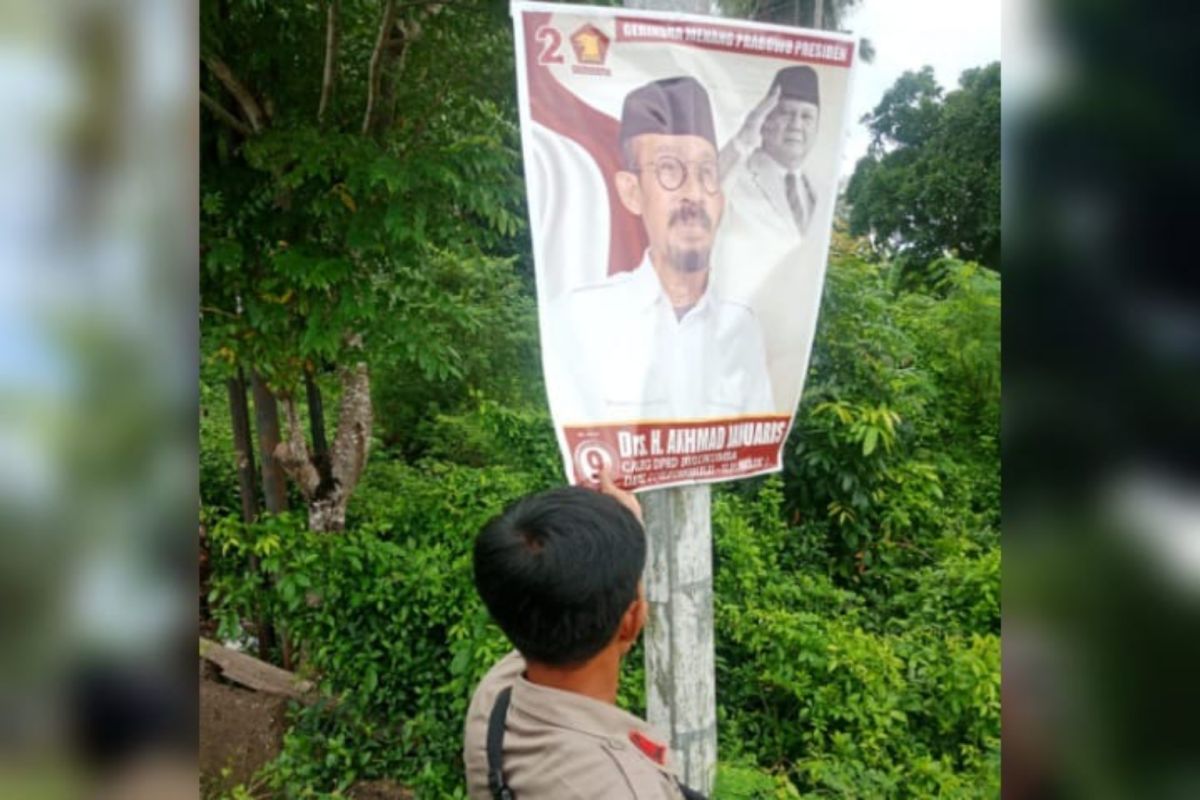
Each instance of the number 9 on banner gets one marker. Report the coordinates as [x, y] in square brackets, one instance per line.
[590, 458]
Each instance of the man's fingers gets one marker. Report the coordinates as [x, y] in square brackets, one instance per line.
[606, 482]
[754, 120]
[627, 499]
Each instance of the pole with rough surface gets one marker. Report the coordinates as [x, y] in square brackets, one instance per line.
[681, 696]
[680, 667]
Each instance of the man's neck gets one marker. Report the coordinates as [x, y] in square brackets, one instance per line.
[683, 289]
[596, 678]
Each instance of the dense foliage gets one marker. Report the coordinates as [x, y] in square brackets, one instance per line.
[317, 228]
[930, 184]
[856, 594]
[857, 597]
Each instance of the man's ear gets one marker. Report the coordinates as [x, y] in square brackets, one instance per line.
[632, 622]
[630, 191]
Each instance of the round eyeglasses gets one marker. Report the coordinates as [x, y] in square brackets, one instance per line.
[672, 173]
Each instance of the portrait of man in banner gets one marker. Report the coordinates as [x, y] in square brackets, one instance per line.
[681, 174]
[763, 166]
[778, 196]
[659, 342]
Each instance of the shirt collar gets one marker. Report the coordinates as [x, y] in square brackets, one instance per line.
[647, 289]
[772, 169]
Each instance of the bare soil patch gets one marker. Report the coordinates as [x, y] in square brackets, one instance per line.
[379, 790]
[240, 730]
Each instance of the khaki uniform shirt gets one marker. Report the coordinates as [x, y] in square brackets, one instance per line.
[560, 745]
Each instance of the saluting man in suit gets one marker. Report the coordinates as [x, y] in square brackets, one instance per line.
[772, 199]
[762, 166]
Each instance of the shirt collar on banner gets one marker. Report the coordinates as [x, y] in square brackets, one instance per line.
[772, 170]
[647, 290]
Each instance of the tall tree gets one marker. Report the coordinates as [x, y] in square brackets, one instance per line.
[358, 168]
[930, 183]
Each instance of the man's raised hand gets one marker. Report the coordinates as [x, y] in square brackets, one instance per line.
[623, 497]
[749, 137]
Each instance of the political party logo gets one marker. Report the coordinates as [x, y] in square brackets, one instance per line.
[590, 44]
[591, 456]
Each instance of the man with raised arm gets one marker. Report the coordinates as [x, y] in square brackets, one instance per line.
[560, 573]
[762, 167]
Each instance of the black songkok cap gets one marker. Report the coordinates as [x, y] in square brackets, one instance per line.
[672, 106]
[798, 83]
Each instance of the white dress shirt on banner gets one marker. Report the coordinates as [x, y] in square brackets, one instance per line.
[615, 352]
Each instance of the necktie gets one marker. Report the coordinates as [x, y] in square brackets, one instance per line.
[794, 202]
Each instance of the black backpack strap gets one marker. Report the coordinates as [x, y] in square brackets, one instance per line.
[495, 747]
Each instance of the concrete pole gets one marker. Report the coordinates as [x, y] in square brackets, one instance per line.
[681, 695]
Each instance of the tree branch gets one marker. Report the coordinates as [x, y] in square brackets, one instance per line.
[409, 32]
[225, 116]
[398, 47]
[333, 33]
[353, 439]
[316, 418]
[378, 56]
[245, 98]
[214, 310]
[292, 454]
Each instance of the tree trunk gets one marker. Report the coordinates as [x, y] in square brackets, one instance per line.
[377, 65]
[333, 32]
[243, 447]
[316, 421]
[350, 449]
[328, 492]
[266, 417]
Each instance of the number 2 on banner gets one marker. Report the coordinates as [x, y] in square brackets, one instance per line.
[551, 40]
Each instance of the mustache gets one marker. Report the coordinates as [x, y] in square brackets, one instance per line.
[689, 212]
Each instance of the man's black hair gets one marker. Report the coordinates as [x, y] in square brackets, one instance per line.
[558, 570]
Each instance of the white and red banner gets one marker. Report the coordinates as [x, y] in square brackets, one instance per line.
[682, 173]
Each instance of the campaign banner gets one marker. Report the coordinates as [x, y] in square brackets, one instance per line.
[682, 173]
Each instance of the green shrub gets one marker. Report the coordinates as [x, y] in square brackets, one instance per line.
[856, 595]
[844, 696]
[746, 782]
[386, 618]
[219, 493]
[491, 434]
